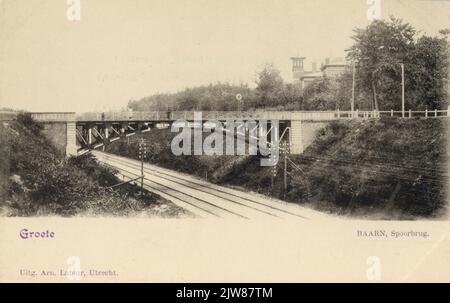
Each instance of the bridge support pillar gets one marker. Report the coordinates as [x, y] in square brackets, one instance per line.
[140, 126]
[108, 131]
[71, 143]
[296, 137]
[90, 135]
[124, 127]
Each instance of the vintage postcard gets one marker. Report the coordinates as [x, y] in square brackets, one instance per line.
[224, 141]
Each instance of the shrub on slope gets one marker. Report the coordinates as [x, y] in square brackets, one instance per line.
[34, 180]
[390, 165]
[386, 168]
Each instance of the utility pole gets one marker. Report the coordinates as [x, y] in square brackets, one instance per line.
[285, 166]
[353, 91]
[272, 179]
[403, 90]
[142, 155]
[285, 171]
[105, 131]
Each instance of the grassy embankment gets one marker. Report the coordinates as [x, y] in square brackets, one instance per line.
[383, 169]
[36, 181]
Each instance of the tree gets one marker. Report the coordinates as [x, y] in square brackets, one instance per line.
[292, 97]
[269, 86]
[331, 93]
[430, 69]
[378, 51]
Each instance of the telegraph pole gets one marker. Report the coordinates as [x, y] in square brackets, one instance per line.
[285, 167]
[403, 90]
[105, 130]
[142, 156]
[272, 179]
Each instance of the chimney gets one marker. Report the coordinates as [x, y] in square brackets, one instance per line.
[327, 61]
[297, 63]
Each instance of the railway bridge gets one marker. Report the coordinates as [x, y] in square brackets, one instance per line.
[78, 133]
[74, 134]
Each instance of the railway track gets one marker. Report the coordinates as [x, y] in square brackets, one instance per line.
[202, 198]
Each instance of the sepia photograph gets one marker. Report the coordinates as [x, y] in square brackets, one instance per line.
[256, 114]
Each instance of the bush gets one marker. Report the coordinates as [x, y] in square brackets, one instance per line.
[28, 122]
[388, 166]
[44, 184]
[88, 164]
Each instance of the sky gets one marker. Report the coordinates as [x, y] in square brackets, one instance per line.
[123, 50]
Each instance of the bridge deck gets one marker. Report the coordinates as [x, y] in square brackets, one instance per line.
[207, 115]
[155, 116]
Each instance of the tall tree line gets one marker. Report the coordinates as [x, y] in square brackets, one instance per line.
[377, 52]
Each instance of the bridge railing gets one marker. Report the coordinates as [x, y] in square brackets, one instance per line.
[255, 115]
[207, 115]
[53, 116]
[121, 116]
[391, 113]
[417, 113]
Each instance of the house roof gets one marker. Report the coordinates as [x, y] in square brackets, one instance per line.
[312, 75]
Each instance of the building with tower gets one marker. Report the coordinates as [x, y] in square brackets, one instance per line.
[301, 76]
[331, 68]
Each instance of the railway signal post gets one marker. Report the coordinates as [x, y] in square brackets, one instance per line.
[142, 156]
[285, 152]
[272, 179]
